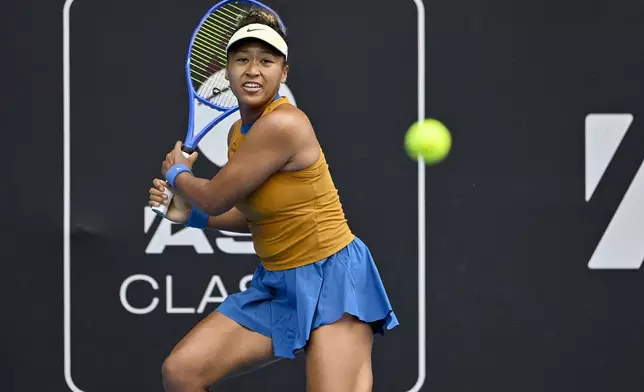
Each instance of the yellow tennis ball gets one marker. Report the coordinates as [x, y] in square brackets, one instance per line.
[429, 139]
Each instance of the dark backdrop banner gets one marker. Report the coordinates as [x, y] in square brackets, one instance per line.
[139, 284]
[534, 223]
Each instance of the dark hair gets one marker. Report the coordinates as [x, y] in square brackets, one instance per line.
[262, 16]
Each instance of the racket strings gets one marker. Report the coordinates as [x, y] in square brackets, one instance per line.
[208, 58]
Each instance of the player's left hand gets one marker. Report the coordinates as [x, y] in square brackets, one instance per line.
[176, 157]
[178, 210]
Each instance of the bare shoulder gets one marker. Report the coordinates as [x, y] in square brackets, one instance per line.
[290, 120]
[293, 130]
[288, 130]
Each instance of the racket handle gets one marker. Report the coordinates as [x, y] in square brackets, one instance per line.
[162, 210]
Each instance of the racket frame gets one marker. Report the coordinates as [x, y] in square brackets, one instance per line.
[192, 140]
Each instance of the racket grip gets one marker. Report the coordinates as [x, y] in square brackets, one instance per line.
[162, 210]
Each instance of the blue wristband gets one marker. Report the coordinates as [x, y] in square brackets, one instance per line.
[197, 219]
[174, 171]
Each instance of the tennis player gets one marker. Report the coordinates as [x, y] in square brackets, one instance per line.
[317, 288]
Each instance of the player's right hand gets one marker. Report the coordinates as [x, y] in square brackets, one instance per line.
[179, 209]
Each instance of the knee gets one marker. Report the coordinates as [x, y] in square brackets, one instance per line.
[179, 374]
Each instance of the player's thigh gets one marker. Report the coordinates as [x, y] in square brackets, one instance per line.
[338, 357]
[215, 349]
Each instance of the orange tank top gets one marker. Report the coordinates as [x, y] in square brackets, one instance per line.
[295, 217]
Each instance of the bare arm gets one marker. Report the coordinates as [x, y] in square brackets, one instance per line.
[265, 151]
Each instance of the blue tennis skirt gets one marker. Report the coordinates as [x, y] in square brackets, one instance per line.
[288, 305]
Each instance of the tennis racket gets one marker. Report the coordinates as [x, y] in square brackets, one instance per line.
[210, 97]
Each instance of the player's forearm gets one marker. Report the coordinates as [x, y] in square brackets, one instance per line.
[195, 191]
[232, 220]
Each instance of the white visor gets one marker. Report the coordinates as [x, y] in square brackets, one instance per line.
[263, 33]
